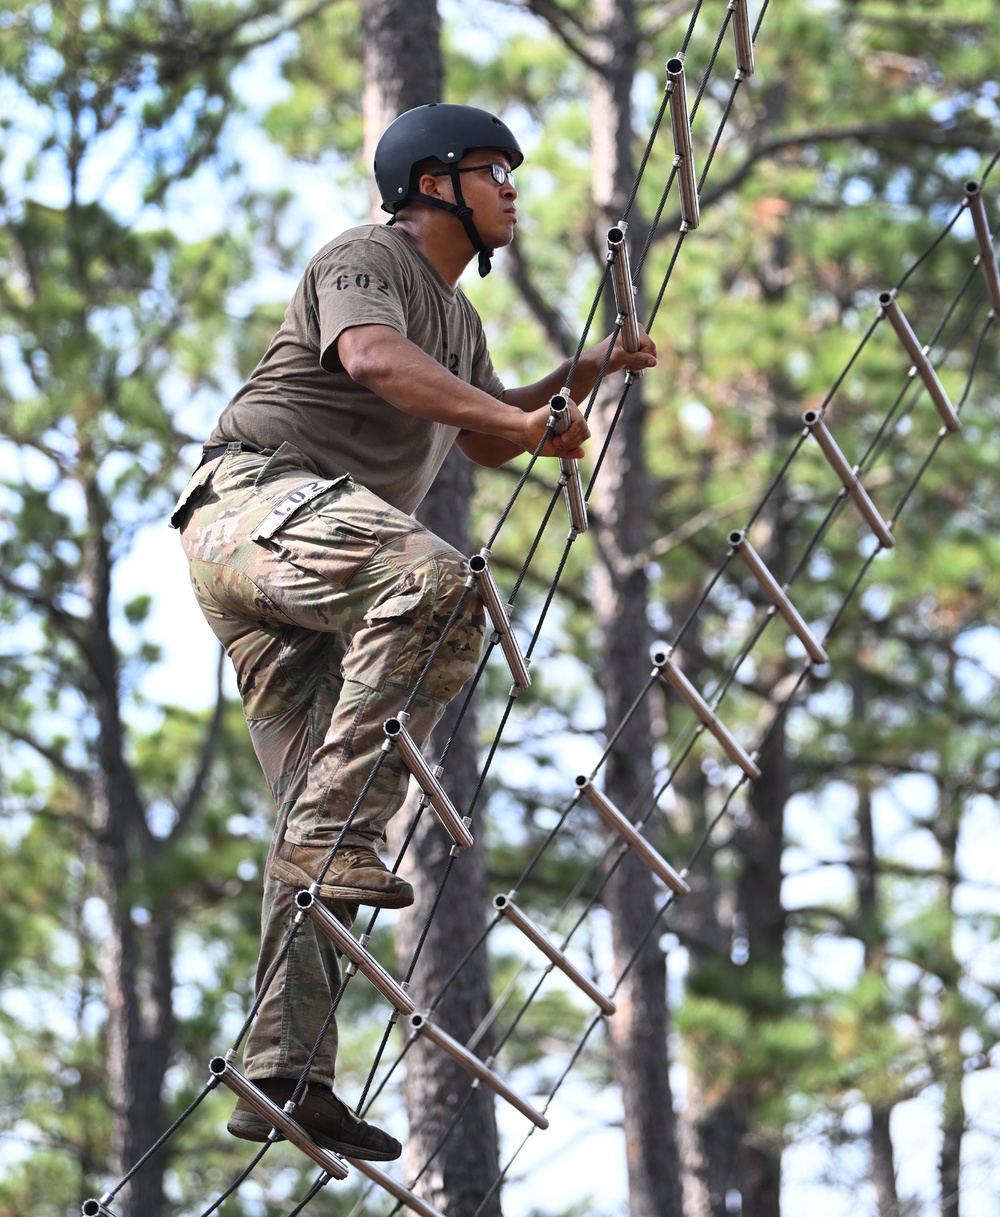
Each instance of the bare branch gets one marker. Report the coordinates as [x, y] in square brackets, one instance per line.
[222, 40]
[64, 818]
[566, 27]
[78, 777]
[909, 132]
[707, 518]
[294, 23]
[848, 925]
[665, 15]
[554, 15]
[557, 333]
[68, 625]
[192, 800]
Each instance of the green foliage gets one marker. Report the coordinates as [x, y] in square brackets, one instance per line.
[321, 113]
[844, 158]
[734, 1053]
[542, 1022]
[108, 318]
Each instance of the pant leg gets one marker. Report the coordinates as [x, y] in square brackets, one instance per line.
[388, 658]
[296, 1001]
[280, 565]
[343, 561]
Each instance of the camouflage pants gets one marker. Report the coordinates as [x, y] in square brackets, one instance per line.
[330, 603]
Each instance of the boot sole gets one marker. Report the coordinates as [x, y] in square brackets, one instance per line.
[295, 876]
[252, 1128]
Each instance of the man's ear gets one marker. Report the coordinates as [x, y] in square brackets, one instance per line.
[436, 187]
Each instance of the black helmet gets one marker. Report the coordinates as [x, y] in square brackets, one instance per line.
[441, 130]
[446, 132]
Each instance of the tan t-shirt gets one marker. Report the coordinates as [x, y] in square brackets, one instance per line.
[372, 275]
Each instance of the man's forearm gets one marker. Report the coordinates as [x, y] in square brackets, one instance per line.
[532, 397]
[406, 377]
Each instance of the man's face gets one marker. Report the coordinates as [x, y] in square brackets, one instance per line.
[492, 202]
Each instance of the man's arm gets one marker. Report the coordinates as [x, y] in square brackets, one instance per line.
[388, 364]
[531, 396]
[490, 451]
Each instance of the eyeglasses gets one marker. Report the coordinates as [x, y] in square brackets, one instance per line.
[501, 173]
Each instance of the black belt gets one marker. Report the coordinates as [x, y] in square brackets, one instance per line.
[211, 454]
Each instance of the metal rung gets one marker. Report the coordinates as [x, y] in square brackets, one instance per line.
[777, 596]
[348, 945]
[279, 1119]
[427, 780]
[666, 668]
[614, 819]
[395, 1188]
[489, 593]
[572, 486]
[918, 354]
[422, 1024]
[987, 254]
[624, 288]
[569, 469]
[96, 1208]
[681, 126]
[506, 905]
[744, 38]
[814, 421]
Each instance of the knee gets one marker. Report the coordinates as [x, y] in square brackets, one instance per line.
[427, 630]
[459, 615]
[453, 592]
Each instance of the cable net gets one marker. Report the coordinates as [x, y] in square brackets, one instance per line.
[619, 831]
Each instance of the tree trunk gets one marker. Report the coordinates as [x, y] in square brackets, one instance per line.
[946, 827]
[138, 960]
[402, 66]
[762, 919]
[139, 1032]
[709, 1133]
[883, 1162]
[709, 1137]
[639, 1027]
[437, 1090]
[401, 47]
[728, 1150]
[952, 1131]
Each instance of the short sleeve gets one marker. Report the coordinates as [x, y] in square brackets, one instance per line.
[483, 373]
[357, 283]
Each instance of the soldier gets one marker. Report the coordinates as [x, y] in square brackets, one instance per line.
[329, 597]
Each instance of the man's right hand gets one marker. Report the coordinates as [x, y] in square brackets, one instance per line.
[568, 444]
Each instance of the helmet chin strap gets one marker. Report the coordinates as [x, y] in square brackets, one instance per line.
[485, 253]
[463, 213]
